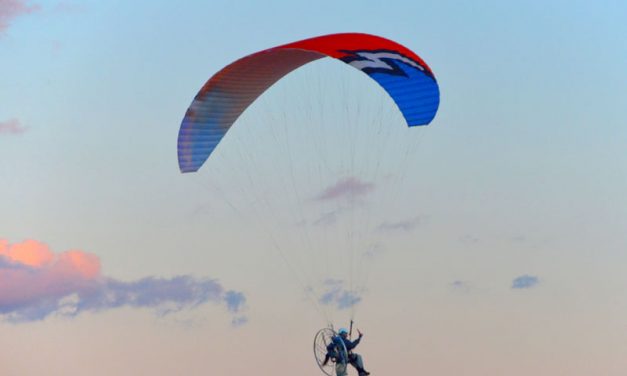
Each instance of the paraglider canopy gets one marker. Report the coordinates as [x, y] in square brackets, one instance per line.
[402, 73]
[411, 86]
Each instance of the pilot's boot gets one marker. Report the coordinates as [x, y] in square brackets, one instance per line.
[361, 371]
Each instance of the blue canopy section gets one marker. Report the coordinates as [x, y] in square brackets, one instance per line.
[415, 93]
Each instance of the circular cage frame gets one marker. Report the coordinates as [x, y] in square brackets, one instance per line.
[322, 339]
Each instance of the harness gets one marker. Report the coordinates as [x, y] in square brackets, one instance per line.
[336, 349]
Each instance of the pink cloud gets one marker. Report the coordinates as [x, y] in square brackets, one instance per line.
[11, 126]
[29, 253]
[32, 273]
[350, 187]
[11, 9]
[35, 283]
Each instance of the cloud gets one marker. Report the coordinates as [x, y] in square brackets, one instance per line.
[327, 219]
[36, 283]
[460, 286]
[404, 225]
[374, 250]
[11, 126]
[525, 282]
[469, 239]
[239, 321]
[234, 301]
[11, 9]
[518, 239]
[336, 295]
[350, 187]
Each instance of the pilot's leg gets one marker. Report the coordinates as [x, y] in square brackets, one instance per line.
[358, 362]
[340, 369]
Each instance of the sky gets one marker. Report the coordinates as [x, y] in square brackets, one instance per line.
[491, 242]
